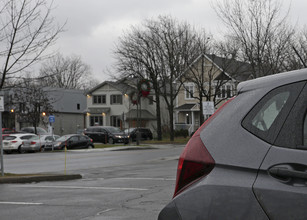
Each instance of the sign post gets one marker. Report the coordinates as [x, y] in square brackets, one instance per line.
[51, 121]
[1, 144]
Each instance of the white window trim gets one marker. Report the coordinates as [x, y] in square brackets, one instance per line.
[225, 86]
[186, 92]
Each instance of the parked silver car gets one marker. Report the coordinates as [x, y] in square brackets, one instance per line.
[249, 160]
[38, 143]
[13, 142]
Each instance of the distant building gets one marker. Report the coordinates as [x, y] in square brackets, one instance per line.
[110, 104]
[69, 106]
[221, 77]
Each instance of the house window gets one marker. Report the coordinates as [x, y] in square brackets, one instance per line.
[99, 99]
[116, 99]
[96, 120]
[224, 92]
[78, 106]
[189, 91]
[115, 121]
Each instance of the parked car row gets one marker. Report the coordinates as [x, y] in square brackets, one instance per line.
[112, 135]
[28, 142]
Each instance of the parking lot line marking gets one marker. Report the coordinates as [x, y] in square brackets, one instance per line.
[84, 187]
[21, 203]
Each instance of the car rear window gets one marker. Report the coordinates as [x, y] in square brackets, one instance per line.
[9, 138]
[267, 117]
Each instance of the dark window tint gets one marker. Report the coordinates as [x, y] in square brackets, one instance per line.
[269, 114]
[74, 138]
[305, 130]
[293, 132]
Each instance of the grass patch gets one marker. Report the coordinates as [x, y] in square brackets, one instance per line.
[178, 140]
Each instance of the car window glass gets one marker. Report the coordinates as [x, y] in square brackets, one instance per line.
[49, 138]
[74, 138]
[268, 116]
[268, 113]
[82, 138]
[305, 130]
[26, 137]
[9, 137]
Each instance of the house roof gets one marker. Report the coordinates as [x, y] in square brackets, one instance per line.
[120, 85]
[231, 69]
[187, 107]
[237, 70]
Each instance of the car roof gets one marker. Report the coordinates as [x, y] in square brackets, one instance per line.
[273, 81]
[22, 134]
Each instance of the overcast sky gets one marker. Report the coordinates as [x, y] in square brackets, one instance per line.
[93, 26]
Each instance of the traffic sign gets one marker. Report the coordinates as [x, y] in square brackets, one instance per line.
[208, 108]
[51, 118]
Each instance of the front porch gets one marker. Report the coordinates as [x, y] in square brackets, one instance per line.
[187, 117]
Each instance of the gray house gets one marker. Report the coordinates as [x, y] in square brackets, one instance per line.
[69, 106]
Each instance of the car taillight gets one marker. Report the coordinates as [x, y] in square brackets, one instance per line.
[14, 141]
[33, 142]
[195, 161]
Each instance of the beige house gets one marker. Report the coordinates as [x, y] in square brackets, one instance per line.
[218, 78]
[110, 104]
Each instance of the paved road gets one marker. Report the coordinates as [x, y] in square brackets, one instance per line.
[125, 184]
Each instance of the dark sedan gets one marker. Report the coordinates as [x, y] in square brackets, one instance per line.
[71, 141]
[144, 133]
[106, 134]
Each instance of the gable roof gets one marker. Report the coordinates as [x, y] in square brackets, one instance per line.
[235, 69]
[120, 85]
[231, 69]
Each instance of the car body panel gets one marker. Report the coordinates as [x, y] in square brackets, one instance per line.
[70, 141]
[105, 134]
[38, 143]
[243, 182]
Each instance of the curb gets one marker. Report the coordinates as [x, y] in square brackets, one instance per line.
[39, 178]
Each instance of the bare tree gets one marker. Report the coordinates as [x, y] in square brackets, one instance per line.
[159, 51]
[26, 31]
[261, 32]
[66, 72]
[29, 101]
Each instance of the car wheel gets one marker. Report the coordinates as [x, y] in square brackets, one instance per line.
[42, 149]
[111, 141]
[20, 150]
[90, 146]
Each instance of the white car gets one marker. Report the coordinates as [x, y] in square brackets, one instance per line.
[37, 143]
[13, 142]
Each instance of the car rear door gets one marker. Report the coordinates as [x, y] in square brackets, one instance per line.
[281, 184]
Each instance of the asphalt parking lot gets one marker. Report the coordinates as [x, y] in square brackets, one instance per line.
[116, 184]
